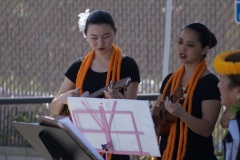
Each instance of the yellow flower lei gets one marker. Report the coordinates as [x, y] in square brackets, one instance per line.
[226, 68]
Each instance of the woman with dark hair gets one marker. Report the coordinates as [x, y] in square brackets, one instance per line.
[190, 134]
[227, 64]
[104, 64]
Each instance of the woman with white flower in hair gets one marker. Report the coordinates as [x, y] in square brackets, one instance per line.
[105, 63]
[227, 64]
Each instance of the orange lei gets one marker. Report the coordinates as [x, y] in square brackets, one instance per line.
[114, 67]
[175, 81]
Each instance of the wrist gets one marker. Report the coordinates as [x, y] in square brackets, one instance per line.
[120, 96]
[63, 99]
[182, 114]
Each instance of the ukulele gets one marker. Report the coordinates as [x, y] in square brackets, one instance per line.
[161, 117]
[123, 83]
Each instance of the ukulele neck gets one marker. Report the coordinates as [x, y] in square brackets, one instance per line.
[98, 93]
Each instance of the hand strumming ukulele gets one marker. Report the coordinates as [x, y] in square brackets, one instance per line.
[123, 83]
[161, 117]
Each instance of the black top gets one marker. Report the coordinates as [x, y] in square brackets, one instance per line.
[198, 147]
[97, 80]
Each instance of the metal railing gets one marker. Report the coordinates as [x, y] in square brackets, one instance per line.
[34, 100]
[25, 108]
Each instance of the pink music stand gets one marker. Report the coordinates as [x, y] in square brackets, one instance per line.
[115, 126]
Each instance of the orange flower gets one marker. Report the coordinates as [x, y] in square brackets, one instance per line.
[226, 68]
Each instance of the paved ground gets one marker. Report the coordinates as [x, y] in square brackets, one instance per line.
[19, 153]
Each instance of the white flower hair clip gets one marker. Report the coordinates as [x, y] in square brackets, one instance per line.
[82, 21]
[197, 21]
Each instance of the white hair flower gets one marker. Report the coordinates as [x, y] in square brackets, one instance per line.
[82, 21]
[197, 21]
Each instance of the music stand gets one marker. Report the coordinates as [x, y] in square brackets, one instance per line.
[121, 126]
[56, 142]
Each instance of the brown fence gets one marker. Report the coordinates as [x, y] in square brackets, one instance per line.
[9, 136]
[39, 39]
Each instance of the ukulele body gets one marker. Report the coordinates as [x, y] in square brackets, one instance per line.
[161, 117]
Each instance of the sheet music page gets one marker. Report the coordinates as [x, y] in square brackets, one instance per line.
[127, 124]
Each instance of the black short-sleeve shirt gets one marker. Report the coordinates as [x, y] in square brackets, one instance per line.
[97, 80]
[198, 147]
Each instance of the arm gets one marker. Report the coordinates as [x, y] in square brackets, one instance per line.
[67, 89]
[156, 103]
[203, 126]
[226, 117]
[131, 92]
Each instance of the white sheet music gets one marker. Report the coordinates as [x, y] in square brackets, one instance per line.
[131, 128]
